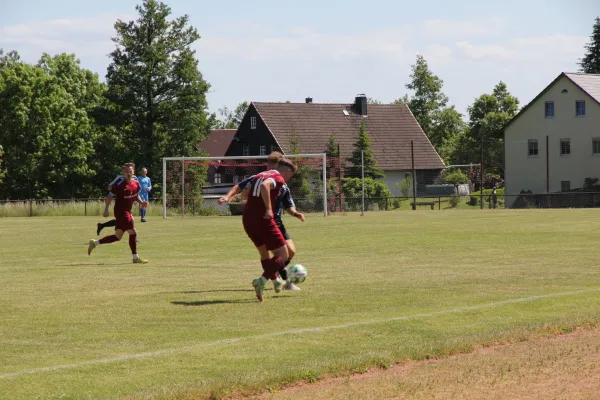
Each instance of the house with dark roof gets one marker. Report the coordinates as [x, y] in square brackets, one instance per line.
[553, 143]
[217, 142]
[268, 127]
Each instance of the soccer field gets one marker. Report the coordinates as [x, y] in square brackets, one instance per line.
[381, 288]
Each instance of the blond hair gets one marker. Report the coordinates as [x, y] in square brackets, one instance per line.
[274, 158]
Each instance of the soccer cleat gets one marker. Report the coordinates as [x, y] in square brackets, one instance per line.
[290, 286]
[259, 286]
[143, 219]
[91, 246]
[99, 229]
[278, 285]
[140, 261]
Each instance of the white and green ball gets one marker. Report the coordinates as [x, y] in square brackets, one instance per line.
[297, 273]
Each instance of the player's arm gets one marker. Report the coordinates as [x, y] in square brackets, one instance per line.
[232, 192]
[290, 207]
[107, 200]
[265, 193]
[149, 188]
[141, 202]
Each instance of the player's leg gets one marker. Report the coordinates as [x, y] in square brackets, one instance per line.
[144, 197]
[291, 247]
[102, 225]
[105, 240]
[133, 246]
[271, 236]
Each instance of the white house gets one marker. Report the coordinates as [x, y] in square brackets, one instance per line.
[553, 143]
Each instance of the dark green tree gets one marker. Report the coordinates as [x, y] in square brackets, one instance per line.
[2, 170]
[47, 134]
[298, 184]
[156, 90]
[590, 63]
[363, 144]
[487, 116]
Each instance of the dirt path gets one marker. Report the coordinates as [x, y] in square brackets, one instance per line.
[562, 367]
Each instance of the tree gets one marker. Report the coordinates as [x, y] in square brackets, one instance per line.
[363, 144]
[428, 97]
[487, 116]
[332, 146]
[440, 122]
[232, 119]
[590, 63]
[375, 190]
[47, 134]
[373, 101]
[157, 92]
[298, 184]
[2, 171]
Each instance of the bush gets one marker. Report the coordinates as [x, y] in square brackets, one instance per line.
[404, 186]
[456, 177]
[374, 189]
[522, 201]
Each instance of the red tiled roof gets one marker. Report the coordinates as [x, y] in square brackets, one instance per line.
[217, 142]
[391, 127]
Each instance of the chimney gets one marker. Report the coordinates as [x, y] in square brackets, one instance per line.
[308, 100]
[360, 105]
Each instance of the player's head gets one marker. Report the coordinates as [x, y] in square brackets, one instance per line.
[128, 170]
[286, 168]
[144, 171]
[274, 159]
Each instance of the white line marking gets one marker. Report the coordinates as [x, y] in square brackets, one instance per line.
[163, 352]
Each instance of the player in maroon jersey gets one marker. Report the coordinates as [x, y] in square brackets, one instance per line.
[260, 226]
[127, 190]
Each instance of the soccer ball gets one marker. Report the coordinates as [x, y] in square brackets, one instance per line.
[297, 273]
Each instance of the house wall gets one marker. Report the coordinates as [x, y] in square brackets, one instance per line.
[254, 138]
[397, 177]
[524, 172]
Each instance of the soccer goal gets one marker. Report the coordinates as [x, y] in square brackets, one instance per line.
[193, 185]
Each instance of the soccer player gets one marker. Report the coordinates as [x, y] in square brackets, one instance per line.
[107, 200]
[146, 187]
[126, 189]
[285, 199]
[260, 226]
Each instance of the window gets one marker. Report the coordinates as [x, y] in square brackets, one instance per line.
[580, 108]
[549, 111]
[565, 186]
[273, 148]
[596, 146]
[565, 147]
[217, 178]
[246, 150]
[532, 145]
[263, 150]
[252, 122]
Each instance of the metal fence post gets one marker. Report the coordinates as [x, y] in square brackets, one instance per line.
[362, 164]
[85, 208]
[30, 208]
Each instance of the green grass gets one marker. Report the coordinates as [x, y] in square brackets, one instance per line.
[59, 306]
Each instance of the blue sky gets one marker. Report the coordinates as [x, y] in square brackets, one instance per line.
[264, 50]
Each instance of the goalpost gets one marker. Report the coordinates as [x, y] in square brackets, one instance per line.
[193, 185]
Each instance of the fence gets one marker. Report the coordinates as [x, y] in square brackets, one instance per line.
[338, 205]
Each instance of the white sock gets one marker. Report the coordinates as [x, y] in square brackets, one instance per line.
[263, 279]
[97, 243]
[135, 256]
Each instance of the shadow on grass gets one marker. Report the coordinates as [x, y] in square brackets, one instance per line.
[218, 291]
[212, 302]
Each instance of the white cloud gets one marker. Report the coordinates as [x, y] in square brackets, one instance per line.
[529, 51]
[444, 29]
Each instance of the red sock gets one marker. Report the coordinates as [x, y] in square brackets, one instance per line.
[271, 267]
[133, 244]
[109, 239]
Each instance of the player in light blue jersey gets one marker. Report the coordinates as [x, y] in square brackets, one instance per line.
[146, 187]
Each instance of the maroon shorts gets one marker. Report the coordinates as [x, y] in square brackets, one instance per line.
[264, 232]
[124, 221]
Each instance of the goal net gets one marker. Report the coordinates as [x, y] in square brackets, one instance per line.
[192, 185]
